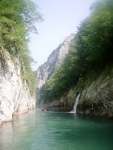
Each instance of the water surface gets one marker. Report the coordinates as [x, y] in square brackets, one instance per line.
[56, 131]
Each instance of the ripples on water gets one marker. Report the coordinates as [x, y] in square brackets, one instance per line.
[56, 131]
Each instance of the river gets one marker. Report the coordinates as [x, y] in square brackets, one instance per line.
[38, 130]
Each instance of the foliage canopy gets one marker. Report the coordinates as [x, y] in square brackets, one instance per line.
[91, 48]
[17, 20]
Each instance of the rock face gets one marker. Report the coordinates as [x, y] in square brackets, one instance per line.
[54, 60]
[96, 94]
[15, 97]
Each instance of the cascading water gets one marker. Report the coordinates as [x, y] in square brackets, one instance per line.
[75, 105]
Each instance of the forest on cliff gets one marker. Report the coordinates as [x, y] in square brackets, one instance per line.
[17, 20]
[91, 49]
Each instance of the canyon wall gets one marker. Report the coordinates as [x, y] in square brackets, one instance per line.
[53, 61]
[15, 97]
[95, 87]
[96, 94]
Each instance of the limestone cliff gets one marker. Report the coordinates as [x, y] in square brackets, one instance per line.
[15, 97]
[54, 60]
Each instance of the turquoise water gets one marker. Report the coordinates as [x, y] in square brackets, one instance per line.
[56, 131]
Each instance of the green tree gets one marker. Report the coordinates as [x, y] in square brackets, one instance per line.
[92, 48]
[17, 20]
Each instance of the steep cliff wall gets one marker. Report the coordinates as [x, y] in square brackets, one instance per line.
[54, 60]
[96, 94]
[15, 97]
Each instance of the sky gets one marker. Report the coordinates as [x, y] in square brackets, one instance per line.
[61, 18]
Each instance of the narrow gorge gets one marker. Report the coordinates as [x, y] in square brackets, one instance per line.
[67, 102]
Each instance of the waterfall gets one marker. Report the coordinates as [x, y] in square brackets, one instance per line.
[75, 105]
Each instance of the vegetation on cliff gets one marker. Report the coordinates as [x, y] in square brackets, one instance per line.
[17, 20]
[92, 49]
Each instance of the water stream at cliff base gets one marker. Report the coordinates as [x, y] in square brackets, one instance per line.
[56, 131]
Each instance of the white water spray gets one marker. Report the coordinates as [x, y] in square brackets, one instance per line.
[75, 105]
